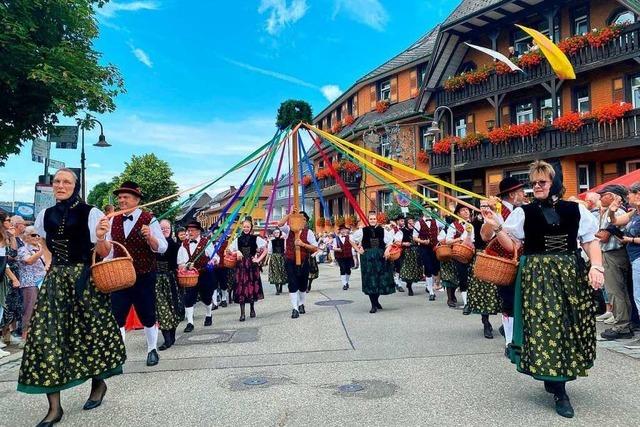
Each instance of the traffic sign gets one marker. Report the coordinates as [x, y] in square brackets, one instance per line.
[403, 199]
[56, 164]
[64, 136]
[40, 150]
[44, 197]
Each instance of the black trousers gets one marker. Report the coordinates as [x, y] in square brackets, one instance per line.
[297, 276]
[220, 277]
[142, 295]
[346, 264]
[429, 261]
[206, 286]
[507, 296]
[462, 271]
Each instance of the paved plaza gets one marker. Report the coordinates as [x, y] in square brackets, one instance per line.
[413, 363]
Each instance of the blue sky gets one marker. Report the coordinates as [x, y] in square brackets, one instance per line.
[204, 79]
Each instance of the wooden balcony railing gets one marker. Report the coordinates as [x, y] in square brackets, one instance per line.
[330, 186]
[549, 143]
[623, 47]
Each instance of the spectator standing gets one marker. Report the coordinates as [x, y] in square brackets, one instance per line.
[32, 269]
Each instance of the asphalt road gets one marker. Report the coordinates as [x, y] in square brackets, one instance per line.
[414, 363]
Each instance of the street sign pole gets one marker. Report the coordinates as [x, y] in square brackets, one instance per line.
[83, 171]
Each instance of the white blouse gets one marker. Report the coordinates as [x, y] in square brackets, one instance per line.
[358, 234]
[260, 242]
[95, 215]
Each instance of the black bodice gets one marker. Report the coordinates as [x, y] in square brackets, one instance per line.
[372, 237]
[170, 257]
[551, 228]
[277, 245]
[407, 235]
[248, 245]
[68, 237]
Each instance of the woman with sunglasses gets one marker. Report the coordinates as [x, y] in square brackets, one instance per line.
[32, 268]
[554, 328]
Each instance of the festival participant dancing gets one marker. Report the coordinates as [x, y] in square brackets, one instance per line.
[425, 234]
[250, 250]
[377, 272]
[454, 273]
[298, 276]
[194, 253]
[140, 233]
[277, 268]
[554, 328]
[411, 270]
[314, 270]
[397, 225]
[343, 251]
[221, 277]
[61, 350]
[167, 297]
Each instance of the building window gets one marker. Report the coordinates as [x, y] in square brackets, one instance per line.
[422, 74]
[467, 66]
[339, 115]
[523, 177]
[546, 110]
[633, 165]
[582, 102]
[524, 113]
[428, 193]
[426, 139]
[461, 128]
[466, 184]
[385, 200]
[384, 90]
[623, 17]
[283, 193]
[385, 146]
[580, 21]
[350, 106]
[584, 178]
[635, 91]
[544, 28]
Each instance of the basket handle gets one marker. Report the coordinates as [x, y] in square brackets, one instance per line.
[495, 240]
[93, 255]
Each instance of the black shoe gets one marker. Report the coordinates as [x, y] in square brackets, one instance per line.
[56, 420]
[399, 289]
[507, 352]
[208, 321]
[295, 314]
[345, 287]
[563, 406]
[373, 310]
[242, 318]
[188, 328]
[215, 307]
[451, 304]
[252, 313]
[378, 306]
[410, 293]
[611, 334]
[432, 297]
[301, 309]
[488, 331]
[501, 330]
[223, 304]
[167, 341]
[153, 358]
[466, 310]
[92, 404]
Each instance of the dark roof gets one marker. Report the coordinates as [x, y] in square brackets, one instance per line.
[467, 8]
[632, 4]
[418, 50]
[196, 204]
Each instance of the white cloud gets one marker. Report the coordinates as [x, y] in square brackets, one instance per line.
[331, 92]
[110, 9]
[142, 56]
[282, 13]
[94, 165]
[368, 12]
[270, 73]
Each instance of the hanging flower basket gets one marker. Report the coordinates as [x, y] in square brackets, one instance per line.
[572, 45]
[471, 140]
[455, 83]
[570, 122]
[323, 173]
[307, 180]
[382, 106]
[478, 76]
[499, 135]
[320, 222]
[530, 60]
[525, 130]
[611, 113]
[444, 145]
[382, 218]
[349, 166]
[598, 38]
[336, 127]
[502, 68]
[348, 120]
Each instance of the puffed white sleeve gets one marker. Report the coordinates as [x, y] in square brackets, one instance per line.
[183, 256]
[514, 225]
[473, 234]
[94, 218]
[270, 247]
[416, 229]
[285, 229]
[356, 236]
[233, 247]
[312, 238]
[397, 237]
[260, 242]
[208, 250]
[588, 226]
[451, 233]
[389, 237]
[442, 235]
[39, 224]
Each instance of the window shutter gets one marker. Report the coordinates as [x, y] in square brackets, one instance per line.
[373, 97]
[394, 89]
[413, 81]
[618, 90]
[506, 116]
[471, 123]
[356, 113]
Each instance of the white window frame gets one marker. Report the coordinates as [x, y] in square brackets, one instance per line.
[523, 115]
[385, 146]
[581, 20]
[385, 200]
[428, 193]
[635, 88]
[528, 191]
[623, 13]
[385, 90]
[461, 128]
[582, 187]
[583, 100]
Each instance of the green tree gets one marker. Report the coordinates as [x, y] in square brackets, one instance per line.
[48, 67]
[154, 176]
[292, 112]
[99, 195]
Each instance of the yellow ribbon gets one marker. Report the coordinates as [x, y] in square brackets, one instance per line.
[557, 59]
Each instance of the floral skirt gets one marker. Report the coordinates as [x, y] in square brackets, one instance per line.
[448, 274]
[277, 271]
[73, 335]
[377, 273]
[167, 306]
[411, 270]
[554, 335]
[248, 285]
[483, 296]
[314, 271]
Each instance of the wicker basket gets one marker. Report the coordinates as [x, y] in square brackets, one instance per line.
[187, 278]
[230, 261]
[297, 222]
[111, 275]
[395, 252]
[462, 253]
[496, 270]
[443, 252]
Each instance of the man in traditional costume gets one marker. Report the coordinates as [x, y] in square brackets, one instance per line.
[343, 251]
[425, 234]
[140, 233]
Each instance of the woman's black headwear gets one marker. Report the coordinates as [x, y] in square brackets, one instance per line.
[63, 206]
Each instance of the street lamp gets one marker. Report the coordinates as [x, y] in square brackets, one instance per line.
[435, 131]
[102, 142]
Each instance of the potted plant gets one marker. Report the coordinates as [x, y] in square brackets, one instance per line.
[382, 106]
[570, 122]
[348, 120]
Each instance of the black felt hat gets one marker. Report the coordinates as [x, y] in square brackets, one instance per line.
[129, 187]
[508, 185]
[194, 224]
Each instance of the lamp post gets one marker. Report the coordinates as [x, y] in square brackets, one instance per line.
[102, 142]
[435, 131]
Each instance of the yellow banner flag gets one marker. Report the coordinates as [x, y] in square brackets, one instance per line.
[557, 59]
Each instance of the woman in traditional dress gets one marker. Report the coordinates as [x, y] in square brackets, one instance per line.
[167, 296]
[6, 276]
[455, 274]
[554, 328]
[377, 272]
[411, 270]
[249, 250]
[73, 336]
[277, 270]
[13, 299]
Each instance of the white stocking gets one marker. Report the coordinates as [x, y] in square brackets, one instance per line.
[208, 307]
[430, 285]
[294, 300]
[189, 313]
[123, 332]
[152, 337]
[507, 322]
[301, 297]
[464, 297]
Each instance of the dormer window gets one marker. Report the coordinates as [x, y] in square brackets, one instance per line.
[384, 90]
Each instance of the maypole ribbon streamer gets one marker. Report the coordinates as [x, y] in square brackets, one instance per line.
[325, 209]
[557, 59]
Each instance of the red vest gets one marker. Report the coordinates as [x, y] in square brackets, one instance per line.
[505, 212]
[220, 253]
[144, 259]
[459, 229]
[290, 246]
[428, 231]
[346, 248]
[202, 260]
